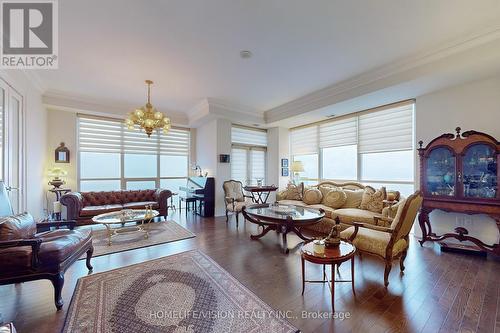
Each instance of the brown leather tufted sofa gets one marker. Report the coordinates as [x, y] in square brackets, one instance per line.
[82, 206]
[27, 255]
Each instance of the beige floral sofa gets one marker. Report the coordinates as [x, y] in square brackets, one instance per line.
[350, 210]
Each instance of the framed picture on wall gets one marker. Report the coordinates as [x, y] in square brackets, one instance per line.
[284, 162]
[284, 172]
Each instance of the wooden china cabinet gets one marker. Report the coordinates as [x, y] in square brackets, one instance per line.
[459, 173]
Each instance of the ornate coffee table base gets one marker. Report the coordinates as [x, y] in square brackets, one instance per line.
[293, 221]
[142, 218]
[283, 229]
[138, 228]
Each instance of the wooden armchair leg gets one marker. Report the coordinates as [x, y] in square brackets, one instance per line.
[227, 216]
[58, 283]
[402, 260]
[90, 251]
[237, 219]
[388, 266]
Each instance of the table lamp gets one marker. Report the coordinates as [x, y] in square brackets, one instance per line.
[57, 173]
[295, 168]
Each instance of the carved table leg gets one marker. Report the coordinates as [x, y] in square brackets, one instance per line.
[265, 230]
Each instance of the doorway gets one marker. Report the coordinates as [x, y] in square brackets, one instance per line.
[12, 145]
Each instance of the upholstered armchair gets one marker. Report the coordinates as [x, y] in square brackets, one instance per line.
[388, 237]
[235, 198]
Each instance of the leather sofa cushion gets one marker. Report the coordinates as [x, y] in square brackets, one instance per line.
[138, 196]
[19, 226]
[102, 198]
[15, 259]
[350, 215]
[140, 205]
[60, 244]
[96, 210]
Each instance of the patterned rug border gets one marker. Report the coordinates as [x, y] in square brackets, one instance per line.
[193, 235]
[206, 256]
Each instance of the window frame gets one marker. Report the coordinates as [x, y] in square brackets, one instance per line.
[123, 180]
[249, 148]
[359, 154]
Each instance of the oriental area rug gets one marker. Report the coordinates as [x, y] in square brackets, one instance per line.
[159, 233]
[185, 292]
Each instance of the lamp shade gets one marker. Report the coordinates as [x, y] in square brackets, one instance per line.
[297, 166]
[57, 172]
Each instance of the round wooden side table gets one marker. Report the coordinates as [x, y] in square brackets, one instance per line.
[333, 257]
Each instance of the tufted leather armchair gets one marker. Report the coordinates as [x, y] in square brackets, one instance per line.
[27, 255]
[82, 206]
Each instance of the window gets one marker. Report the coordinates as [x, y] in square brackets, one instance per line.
[111, 157]
[373, 147]
[248, 154]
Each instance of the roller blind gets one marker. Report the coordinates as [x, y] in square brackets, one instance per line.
[109, 135]
[338, 133]
[248, 136]
[99, 135]
[258, 164]
[304, 140]
[387, 130]
[239, 164]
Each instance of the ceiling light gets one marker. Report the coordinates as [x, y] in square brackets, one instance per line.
[147, 117]
[245, 54]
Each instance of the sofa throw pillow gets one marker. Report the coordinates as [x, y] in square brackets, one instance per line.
[373, 200]
[353, 198]
[336, 198]
[391, 211]
[325, 189]
[294, 192]
[312, 196]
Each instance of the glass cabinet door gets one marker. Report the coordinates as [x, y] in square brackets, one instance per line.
[479, 167]
[441, 172]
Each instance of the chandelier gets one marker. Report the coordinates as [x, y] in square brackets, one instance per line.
[147, 117]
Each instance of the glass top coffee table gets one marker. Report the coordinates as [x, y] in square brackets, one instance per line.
[283, 219]
[112, 219]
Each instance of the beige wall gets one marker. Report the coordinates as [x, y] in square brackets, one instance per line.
[62, 128]
[476, 106]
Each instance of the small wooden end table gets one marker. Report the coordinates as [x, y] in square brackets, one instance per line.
[260, 194]
[334, 257]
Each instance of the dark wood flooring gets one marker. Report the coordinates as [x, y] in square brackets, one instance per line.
[439, 292]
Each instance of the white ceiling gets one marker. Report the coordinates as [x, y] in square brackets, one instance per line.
[190, 48]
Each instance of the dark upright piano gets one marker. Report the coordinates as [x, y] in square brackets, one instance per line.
[203, 189]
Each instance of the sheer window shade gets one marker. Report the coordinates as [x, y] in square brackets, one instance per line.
[248, 137]
[108, 135]
[338, 133]
[304, 140]
[239, 164]
[386, 130]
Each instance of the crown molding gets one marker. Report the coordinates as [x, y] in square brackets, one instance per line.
[211, 108]
[360, 84]
[65, 102]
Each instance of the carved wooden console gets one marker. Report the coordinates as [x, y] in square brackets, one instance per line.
[459, 173]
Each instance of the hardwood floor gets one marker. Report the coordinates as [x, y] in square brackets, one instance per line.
[439, 292]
